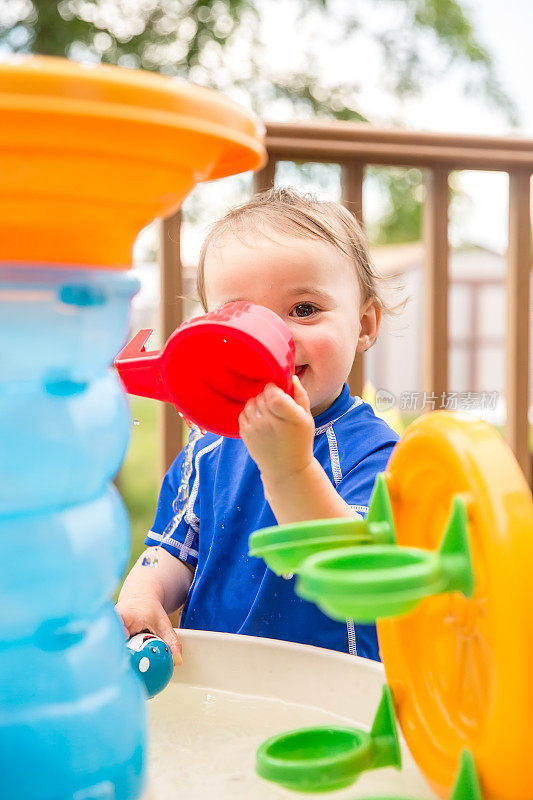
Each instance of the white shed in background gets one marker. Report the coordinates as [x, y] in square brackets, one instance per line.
[476, 324]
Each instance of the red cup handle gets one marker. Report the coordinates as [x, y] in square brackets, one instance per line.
[140, 371]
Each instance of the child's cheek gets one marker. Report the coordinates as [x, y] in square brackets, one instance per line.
[323, 347]
[331, 358]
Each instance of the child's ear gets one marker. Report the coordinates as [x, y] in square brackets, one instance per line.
[369, 322]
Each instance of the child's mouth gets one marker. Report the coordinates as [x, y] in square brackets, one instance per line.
[299, 371]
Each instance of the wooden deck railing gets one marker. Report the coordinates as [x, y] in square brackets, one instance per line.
[354, 146]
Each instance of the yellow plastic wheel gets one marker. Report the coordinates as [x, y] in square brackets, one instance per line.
[461, 670]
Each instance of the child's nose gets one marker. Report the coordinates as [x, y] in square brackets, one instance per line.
[295, 335]
[299, 355]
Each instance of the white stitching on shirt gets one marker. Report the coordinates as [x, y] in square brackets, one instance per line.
[337, 476]
[352, 643]
[183, 548]
[357, 402]
[334, 455]
[190, 518]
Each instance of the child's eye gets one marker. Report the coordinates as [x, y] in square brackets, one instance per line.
[304, 309]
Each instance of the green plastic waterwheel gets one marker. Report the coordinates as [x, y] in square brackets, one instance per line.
[286, 547]
[322, 759]
[375, 582]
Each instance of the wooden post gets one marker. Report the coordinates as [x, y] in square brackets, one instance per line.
[264, 178]
[436, 282]
[352, 175]
[517, 341]
[171, 316]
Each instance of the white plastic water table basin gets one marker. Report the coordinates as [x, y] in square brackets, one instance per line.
[233, 692]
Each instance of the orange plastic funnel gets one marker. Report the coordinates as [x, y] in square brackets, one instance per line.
[92, 155]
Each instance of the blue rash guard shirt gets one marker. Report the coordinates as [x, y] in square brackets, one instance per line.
[235, 593]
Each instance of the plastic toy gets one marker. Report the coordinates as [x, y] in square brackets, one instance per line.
[460, 668]
[89, 156]
[231, 354]
[376, 582]
[151, 660]
[323, 759]
[466, 786]
[286, 547]
[327, 758]
[449, 598]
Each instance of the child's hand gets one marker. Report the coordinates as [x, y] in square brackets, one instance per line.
[147, 614]
[279, 431]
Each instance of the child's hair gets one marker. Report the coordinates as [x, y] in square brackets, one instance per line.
[287, 211]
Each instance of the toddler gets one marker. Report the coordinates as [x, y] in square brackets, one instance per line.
[311, 457]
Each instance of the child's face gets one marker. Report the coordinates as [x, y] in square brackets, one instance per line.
[311, 285]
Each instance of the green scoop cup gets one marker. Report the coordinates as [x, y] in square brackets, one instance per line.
[369, 583]
[286, 547]
[325, 758]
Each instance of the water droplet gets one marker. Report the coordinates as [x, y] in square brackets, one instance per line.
[225, 341]
[136, 422]
[288, 576]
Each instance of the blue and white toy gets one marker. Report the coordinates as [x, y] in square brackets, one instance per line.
[152, 661]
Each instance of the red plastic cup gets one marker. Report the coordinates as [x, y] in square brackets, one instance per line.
[212, 365]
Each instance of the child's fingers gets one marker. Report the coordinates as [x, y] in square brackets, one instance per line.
[160, 626]
[300, 395]
[129, 620]
[273, 401]
[255, 411]
[249, 412]
[165, 631]
[281, 404]
[260, 405]
[243, 423]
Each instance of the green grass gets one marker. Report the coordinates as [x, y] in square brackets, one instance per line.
[138, 480]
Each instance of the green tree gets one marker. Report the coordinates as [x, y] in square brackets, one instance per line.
[402, 219]
[217, 43]
[177, 36]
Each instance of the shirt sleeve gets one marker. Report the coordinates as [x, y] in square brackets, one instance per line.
[179, 538]
[356, 486]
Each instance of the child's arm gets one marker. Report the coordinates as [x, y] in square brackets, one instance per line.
[149, 594]
[307, 494]
[279, 432]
